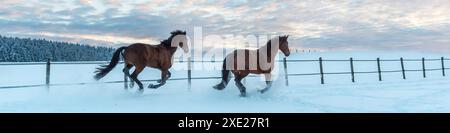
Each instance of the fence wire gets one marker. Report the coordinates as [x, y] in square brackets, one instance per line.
[214, 61]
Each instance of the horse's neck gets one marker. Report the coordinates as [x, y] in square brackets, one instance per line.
[269, 50]
[171, 50]
[167, 44]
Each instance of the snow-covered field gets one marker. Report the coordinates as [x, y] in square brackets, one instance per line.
[304, 93]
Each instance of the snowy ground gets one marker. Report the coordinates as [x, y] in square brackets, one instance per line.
[304, 93]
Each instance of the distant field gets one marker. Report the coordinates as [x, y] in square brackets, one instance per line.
[304, 93]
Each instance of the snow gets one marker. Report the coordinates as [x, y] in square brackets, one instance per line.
[304, 93]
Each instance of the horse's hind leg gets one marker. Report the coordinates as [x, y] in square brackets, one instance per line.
[164, 77]
[268, 78]
[134, 77]
[126, 71]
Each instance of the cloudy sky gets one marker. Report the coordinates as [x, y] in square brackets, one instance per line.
[421, 25]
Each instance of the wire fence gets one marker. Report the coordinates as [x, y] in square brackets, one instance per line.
[189, 77]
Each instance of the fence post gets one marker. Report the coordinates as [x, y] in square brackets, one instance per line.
[189, 72]
[47, 73]
[443, 67]
[125, 78]
[403, 68]
[379, 69]
[423, 68]
[285, 71]
[321, 71]
[352, 70]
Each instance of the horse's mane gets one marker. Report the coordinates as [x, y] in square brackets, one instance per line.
[168, 41]
[280, 39]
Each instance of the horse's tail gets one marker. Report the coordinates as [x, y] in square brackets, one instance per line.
[105, 69]
[225, 72]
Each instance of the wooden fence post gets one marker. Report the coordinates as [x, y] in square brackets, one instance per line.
[423, 68]
[352, 70]
[379, 69]
[285, 71]
[125, 78]
[403, 68]
[189, 72]
[321, 71]
[443, 67]
[47, 74]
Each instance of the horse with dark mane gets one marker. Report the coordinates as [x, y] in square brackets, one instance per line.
[141, 55]
[242, 62]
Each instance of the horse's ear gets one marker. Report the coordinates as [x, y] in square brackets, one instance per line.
[282, 38]
[285, 37]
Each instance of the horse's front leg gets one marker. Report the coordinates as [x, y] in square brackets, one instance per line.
[164, 77]
[168, 76]
[268, 78]
[241, 87]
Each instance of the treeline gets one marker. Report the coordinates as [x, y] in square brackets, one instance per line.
[13, 49]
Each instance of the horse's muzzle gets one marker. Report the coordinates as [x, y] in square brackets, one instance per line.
[287, 54]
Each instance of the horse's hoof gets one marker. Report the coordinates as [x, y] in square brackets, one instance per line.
[243, 95]
[262, 91]
[151, 86]
[159, 81]
[217, 87]
[140, 91]
[131, 85]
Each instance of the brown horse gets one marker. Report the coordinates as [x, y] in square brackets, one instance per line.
[142, 55]
[242, 62]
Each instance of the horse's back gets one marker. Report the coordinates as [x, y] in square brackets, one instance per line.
[241, 59]
[136, 47]
[138, 53]
[249, 61]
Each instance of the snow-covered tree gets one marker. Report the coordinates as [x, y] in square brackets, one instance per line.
[37, 50]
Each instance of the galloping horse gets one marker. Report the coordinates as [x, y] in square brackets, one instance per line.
[262, 64]
[142, 55]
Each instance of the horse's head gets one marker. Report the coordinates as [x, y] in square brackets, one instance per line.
[179, 39]
[284, 45]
